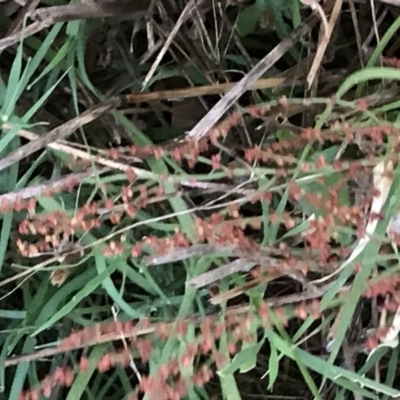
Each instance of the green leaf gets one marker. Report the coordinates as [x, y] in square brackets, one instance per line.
[248, 19]
[39, 103]
[11, 175]
[364, 75]
[340, 376]
[391, 370]
[273, 367]
[11, 96]
[229, 387]
[109, 286]
[82, 379]
[88, 289]
[284, 134]
[21, 371]
[381, 45]
[244, 361]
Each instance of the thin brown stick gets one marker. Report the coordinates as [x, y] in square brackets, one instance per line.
[314, 4]
[53, 185]
[207, 90]
[59, 132]
[392, 2]
[357, 32]
[324, 42]
[89, 10]
[182, 19]
[65, 147]
[47, 16]
[219, 273]
[28, 8]
[26, 32]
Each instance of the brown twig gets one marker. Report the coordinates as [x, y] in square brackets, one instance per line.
[206, 90]
[59, 132]
[47, 16]
[68, 148]
[28, 8]
[26, 32]
[221, 272]
[53, 185]
[190, 6]
[195, 250]
[324, 40]
[89, 10]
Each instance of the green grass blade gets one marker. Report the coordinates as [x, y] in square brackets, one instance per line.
[21, 371]
[364, 75]
[378, 50]
[13, 83]
[83, 377]
[11, 175]
[332, 372]
[391, 370]
[39, 103]
[58, 58]
[86, 291]
[109, 286]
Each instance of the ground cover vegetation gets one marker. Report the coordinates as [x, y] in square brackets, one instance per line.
[199, 199]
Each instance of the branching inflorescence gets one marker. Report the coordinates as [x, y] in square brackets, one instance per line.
[203, 351]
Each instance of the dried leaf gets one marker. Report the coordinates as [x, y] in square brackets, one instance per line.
[58, 276]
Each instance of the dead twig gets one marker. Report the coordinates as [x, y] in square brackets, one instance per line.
[89, 10]
[207, 90]
[30, 30]
[190, 6]
[53, 185]
[59, 132]
[47, 16]
[324, 41]
[221, 272]
[314, 4]
[203, 249]
[27, 9]
[67, 148]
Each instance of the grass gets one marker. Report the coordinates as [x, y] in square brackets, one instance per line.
[96, 278]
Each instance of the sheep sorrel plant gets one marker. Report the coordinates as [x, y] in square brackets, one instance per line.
[199, 200]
